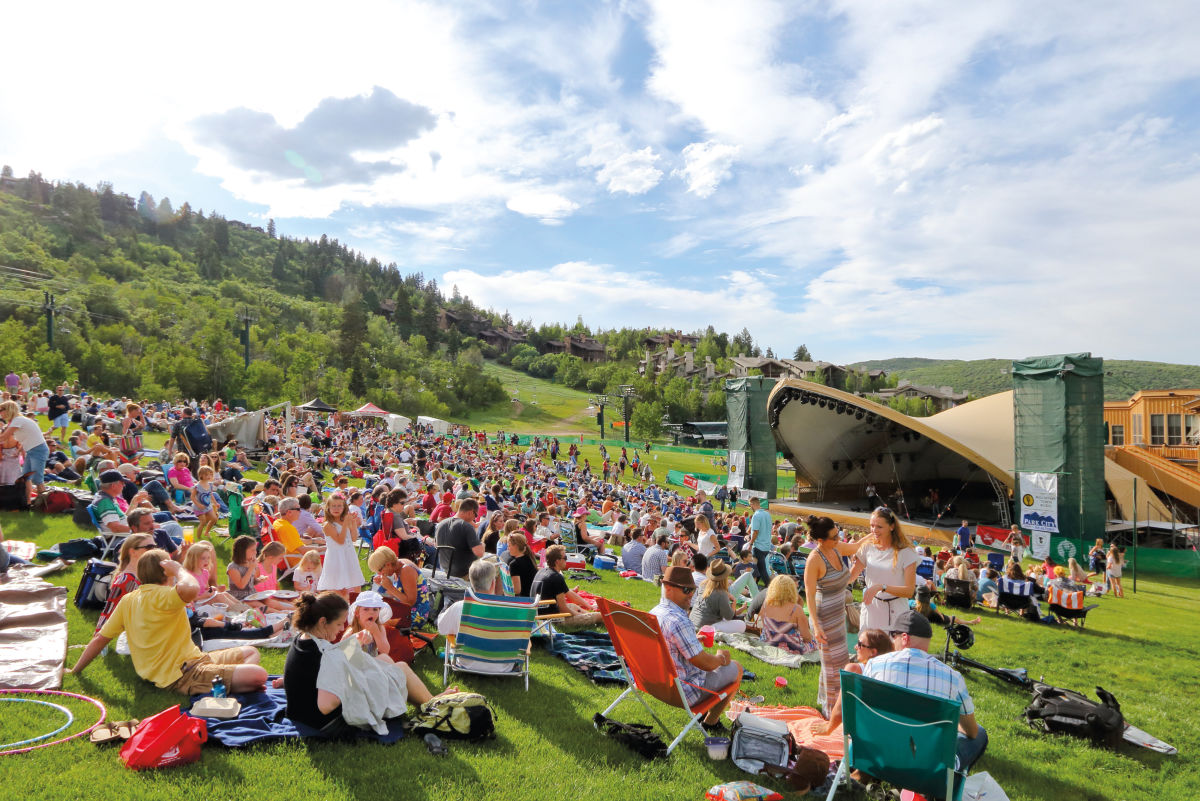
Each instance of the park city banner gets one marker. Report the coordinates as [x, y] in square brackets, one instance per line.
[1039, 502]
[737, 469]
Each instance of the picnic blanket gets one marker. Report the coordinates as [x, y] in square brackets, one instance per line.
[589, 652]
[767, 653]
[33, 632]
[263, 719]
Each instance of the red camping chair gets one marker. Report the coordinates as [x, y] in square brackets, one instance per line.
[640, 646]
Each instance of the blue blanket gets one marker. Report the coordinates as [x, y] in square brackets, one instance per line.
[590, 652]
[263, 719]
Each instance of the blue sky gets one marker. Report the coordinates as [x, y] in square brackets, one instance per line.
[871, 179]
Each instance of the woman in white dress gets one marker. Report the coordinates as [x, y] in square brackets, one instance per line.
[341, 572]
[891, 571]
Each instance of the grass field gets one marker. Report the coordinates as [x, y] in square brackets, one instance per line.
[540, 406]
[1141, 648]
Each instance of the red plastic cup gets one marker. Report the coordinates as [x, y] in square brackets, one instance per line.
[780, 681]
[707, 637]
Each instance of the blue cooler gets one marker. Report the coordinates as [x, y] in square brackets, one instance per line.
[604, 563]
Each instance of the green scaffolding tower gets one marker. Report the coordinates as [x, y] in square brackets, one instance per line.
[749, 431]
[1058, 402]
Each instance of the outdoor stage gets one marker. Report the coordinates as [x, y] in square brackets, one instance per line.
[916, 530]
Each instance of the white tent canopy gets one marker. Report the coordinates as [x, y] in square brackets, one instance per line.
[433, 423]
[398, 423]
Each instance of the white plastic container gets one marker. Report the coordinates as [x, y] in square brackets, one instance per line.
[718, 747]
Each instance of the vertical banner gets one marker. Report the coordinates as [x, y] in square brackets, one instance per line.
[1039, 547]
[1039, 502]
[737, 469]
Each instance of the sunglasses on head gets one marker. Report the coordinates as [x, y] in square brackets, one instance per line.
[884, 511]
[686, 590]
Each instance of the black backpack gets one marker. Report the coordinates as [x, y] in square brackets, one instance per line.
[1060, 711]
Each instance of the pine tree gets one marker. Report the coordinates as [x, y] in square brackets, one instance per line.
[271, 227]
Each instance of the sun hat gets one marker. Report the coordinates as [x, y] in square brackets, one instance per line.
[371, 600]
[718, 569]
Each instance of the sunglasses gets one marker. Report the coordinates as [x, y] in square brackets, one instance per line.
[686, 590]
[884, 511]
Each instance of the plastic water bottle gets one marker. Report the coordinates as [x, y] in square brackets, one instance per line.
[218, 690]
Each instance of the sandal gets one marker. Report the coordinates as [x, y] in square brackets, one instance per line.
[113, 731]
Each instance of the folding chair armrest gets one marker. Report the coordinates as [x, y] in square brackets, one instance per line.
[554, 616]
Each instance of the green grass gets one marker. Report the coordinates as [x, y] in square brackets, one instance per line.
[1141, 648]
[541, 406]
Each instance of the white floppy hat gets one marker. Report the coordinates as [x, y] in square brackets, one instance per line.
[371, 600]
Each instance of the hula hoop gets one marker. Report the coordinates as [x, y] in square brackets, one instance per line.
[61, 694]
[40, 737]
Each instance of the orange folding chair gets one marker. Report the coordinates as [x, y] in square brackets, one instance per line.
[642, 649]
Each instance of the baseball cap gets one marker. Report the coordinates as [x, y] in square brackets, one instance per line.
[111, 477]
[911, 622]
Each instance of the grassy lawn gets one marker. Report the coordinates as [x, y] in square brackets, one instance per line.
[1141, 648]
[540, 406]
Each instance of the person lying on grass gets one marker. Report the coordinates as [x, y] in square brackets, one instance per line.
[154, 618]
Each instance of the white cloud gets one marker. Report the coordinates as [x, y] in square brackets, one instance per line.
[706, 165]
[632, 173]
[547, 207]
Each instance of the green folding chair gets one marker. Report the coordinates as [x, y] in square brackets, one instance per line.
[492, 633]
[901, 736]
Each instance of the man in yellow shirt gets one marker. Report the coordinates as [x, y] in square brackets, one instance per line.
[154, 616]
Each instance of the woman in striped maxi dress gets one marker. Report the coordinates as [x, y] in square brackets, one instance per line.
[825, 578]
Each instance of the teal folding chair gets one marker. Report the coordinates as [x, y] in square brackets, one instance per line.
[491, 634]
[901, 736]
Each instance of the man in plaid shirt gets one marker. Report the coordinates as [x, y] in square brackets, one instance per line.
[912, 666]
[696, 667]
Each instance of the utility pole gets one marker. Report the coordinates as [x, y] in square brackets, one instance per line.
[245, 320]
[49, 308]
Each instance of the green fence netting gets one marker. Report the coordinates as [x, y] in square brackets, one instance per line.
[1058, 402]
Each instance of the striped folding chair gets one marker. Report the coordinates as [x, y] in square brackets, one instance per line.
[491, 634]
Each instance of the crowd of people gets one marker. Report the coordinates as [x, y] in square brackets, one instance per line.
[472, 507]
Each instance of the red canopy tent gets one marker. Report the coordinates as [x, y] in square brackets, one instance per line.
[369, 410]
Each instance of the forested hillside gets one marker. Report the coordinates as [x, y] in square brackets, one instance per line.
[153, 300]
[981, 377]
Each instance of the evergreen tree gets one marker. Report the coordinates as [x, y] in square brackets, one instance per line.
[271, 227]
[802, 354]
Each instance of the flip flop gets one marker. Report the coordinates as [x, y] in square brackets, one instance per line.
[113, 731]
[104, 734]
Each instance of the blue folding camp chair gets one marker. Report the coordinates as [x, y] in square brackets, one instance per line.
[996, 560]
[776, 564]
[901, 736]
[1015, 596]
[925, 568]
[796, 563]
[572, 542]
[112, 541]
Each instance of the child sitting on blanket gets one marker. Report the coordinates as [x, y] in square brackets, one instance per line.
[243, 569]
[267, 578]
[307, 572]
[201, 562]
